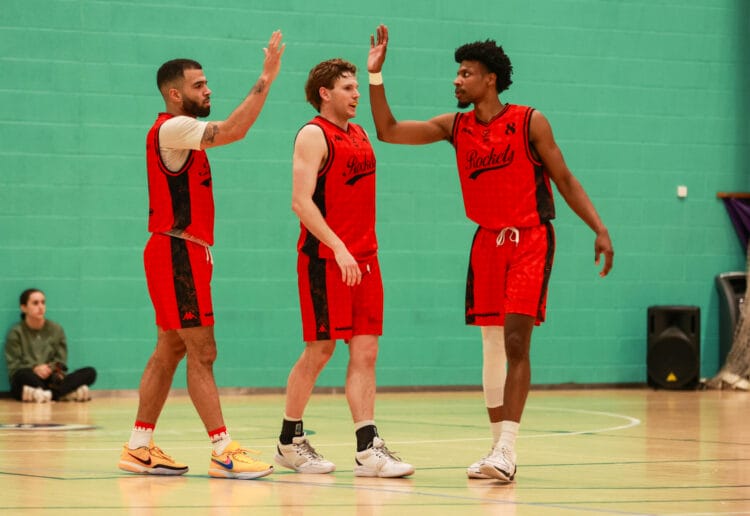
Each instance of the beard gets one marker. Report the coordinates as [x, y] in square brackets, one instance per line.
[195, 109]
[463, 105]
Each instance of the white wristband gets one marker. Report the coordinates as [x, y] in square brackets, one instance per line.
[376, 79]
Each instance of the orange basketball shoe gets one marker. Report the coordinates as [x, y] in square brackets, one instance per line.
[236, 462]
[149, 460]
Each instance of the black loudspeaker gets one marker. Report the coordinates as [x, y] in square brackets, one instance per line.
[673, 355]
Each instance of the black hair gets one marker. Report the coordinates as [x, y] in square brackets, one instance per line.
[492, 56]
[24, 298]
[174, 70]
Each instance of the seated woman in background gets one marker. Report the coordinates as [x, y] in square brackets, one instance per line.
[36, 353]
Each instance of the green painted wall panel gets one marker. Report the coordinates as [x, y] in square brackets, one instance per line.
[643, 96]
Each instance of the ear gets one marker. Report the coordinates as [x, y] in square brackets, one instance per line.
[324, 93]
[174, 95]
[492, 79]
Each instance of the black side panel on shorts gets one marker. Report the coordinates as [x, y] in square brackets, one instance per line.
[470, 285]
[316, 270]
[547, 265]
[184, 285]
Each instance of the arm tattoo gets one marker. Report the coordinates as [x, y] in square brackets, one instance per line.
[210, 133]
[259, 87]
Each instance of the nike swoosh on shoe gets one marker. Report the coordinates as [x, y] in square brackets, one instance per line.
[147, 463]
[229, 464]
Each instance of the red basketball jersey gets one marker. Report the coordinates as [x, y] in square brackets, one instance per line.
[502, 183]
[345, 192]
[181, 203]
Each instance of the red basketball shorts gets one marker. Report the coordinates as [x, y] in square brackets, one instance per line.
[509, 272]
[332, 310]
[178, 274]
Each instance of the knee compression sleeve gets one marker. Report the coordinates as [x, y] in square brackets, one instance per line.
[494, 365]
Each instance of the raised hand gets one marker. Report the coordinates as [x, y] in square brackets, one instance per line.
[376, 58]
[273, 52]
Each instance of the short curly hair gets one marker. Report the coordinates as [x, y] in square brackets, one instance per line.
[324, 75]
[492, 56]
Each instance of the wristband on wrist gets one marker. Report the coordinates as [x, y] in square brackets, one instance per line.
[376, 79]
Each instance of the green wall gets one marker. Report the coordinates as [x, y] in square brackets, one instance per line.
[643, 95]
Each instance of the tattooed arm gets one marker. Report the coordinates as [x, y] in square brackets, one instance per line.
[236, 126]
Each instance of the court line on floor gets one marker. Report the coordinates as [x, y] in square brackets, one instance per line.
[630, 422]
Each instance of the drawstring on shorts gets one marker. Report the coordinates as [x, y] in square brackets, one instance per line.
[513, 237]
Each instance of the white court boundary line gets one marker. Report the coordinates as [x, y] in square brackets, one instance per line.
[630, 423]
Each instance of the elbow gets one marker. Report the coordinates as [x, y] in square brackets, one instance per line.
[296, 207]
[232, 132]
[236, 136]
[383, 136]
[386, 131]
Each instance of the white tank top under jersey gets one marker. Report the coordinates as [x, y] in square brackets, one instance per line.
[177, 137]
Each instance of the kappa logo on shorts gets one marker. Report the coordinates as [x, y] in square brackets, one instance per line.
[322, 328]
[189, 316]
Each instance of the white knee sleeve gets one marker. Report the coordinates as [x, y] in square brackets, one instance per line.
[494, 365]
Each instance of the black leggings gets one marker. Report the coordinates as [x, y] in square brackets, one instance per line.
[83, 376]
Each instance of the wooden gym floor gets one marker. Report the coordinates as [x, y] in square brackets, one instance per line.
[590, 452]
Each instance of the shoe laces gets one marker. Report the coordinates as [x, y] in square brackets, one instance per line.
[507, 455]
[304, 448]
[155, 450]
[243, 454]
[379, 448]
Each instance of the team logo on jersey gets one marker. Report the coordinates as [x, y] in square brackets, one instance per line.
[481, 163]
[357, 168]
[510, 128]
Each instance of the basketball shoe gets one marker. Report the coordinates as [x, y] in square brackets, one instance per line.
[379, 461]
[80, 394]
[500, 464]
[36, 394]
[302, 457]
[236, 462]
[149, 460]
[474, 471]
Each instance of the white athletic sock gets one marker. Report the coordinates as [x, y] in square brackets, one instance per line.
[496, 429]
[220, 442]
[508, 434]
[140, 437]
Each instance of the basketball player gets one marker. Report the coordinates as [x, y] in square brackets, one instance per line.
[507, 159]
[340, 288]
[179, 265]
